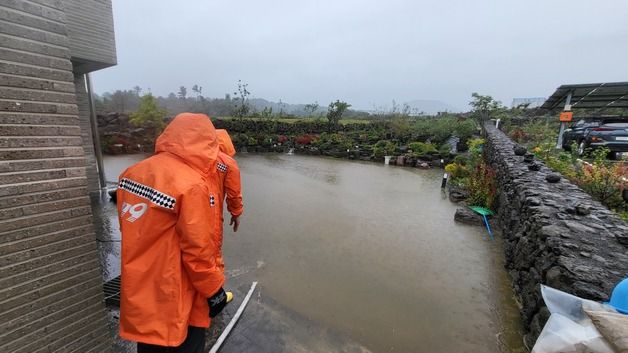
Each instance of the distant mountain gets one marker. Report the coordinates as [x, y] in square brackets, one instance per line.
[431, 107]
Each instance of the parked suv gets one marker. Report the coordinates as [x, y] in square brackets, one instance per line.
[593, 132]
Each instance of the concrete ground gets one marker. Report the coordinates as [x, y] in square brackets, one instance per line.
[265, 326]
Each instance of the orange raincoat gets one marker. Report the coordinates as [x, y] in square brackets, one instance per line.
[168, 224]
[228, 184]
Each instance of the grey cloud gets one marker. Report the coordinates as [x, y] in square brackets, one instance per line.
[368, 52]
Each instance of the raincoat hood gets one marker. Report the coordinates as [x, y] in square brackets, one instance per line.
[191, 137]
[224, 142]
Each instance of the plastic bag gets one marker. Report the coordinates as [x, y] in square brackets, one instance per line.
[569, 329]
[613, 326]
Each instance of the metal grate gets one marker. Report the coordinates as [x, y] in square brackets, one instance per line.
[112, 292]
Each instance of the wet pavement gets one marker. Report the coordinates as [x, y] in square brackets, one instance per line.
[267, 326]
[350, 257]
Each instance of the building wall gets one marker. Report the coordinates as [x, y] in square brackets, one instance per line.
[50, 279]
[90, 29]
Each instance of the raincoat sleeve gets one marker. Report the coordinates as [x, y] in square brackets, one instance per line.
[195, 226]
[233, 190]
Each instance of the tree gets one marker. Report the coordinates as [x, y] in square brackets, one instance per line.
[183, 92]
[137, 90]
[485, 107]
[197, 89]
[395, 108]
[119, 101]
[149, 113]
[400, 126]
[266, 113]
[281, 106]
[334, 113]
[241, 100]
[311, 108]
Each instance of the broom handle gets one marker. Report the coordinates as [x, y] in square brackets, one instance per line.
[488, 227]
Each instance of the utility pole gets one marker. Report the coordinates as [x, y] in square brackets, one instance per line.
[563, 123]
[95, 136]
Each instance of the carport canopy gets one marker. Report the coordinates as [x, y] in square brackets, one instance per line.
[590, 96]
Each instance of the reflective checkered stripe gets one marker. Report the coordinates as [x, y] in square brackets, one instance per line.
[155, 196]
[221, 167]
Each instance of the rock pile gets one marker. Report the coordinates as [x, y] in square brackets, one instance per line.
[118, 135]
[427, 161]
[467, 216]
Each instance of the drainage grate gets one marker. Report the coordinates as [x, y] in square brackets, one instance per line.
[112, 292]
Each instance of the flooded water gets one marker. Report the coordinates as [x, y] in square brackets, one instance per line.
[370, 252]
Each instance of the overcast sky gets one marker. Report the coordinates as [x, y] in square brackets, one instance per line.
[368, 52]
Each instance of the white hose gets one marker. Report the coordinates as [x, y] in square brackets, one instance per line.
[225, 333]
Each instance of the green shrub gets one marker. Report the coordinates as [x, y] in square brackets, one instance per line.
[333, 141]
[603, 180]
[535, 132]
[240, 140]
[457, 171]
[482, 186]
[461, 159]
[475, 175]
[384, 148]
[422, 148]
[444, 149]
[465, 128]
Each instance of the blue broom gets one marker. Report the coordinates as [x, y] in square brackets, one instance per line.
[484, 212]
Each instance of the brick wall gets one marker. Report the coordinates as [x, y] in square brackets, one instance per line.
[50, 277]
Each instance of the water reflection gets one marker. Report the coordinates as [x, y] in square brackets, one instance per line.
[326, 172]
[105, 216]
[107, 235]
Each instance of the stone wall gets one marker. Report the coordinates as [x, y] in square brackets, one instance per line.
[554, 234]
[51, 296]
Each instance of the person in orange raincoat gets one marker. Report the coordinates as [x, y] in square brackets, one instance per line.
[230, 188]
[168, 224]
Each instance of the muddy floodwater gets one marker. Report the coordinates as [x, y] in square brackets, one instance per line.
[369, 252]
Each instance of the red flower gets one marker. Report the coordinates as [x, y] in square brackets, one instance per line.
[304, 139]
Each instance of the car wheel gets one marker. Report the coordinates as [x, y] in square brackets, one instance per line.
[581, 148]
[613, 156]
[566, 146]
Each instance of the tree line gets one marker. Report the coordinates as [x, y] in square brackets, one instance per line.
[236, 104]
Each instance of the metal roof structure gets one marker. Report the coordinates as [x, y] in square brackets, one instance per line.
[590, 96]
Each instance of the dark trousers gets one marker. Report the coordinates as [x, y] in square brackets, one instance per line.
[194, 343]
